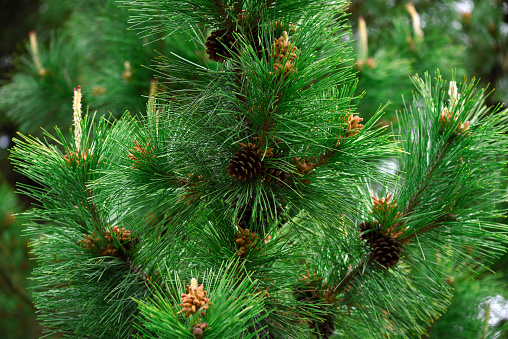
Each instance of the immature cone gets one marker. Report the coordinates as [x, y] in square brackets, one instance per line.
[304, 166]
[246, 163]
[218, 45]
[354, 126]
[198, 330]
[245, 241]
[195, 300]
[386, 251]
[109, 248]
[125, 237]
[284, 54]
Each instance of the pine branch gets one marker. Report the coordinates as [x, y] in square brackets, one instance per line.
[423, 184]
[220, 8]
[353, 274]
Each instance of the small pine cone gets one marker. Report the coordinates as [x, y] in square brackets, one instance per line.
[198, 330]
[108, 250]
[246, 241]
[246, 163]
[386, 251]
[284, 54]
[368, 232]
[127, 241]
[218, 45]
[353, 125]
[276, 176]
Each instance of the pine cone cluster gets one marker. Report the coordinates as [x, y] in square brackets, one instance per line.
[195, 300]
[246, 241]
[219, 44]
[386, 251]
[353, 125]
[246, 163]
[109, 249]
[198, 330]
[285, 54]
[304, 167]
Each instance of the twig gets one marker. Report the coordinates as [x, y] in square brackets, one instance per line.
[220, 7]
[356, 272]
[436, 223]
[421, 188]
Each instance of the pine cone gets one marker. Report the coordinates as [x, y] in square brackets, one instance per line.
[284, 54]
[93, 242]
[246, 163]
[198, 330]
[368, 232]
[219, 44]
[275, 175]
[386, 251]
[127, 241]
[246, 241]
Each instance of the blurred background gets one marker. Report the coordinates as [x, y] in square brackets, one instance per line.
[50, 46]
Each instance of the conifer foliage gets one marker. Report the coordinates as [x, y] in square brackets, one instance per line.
[241, 206]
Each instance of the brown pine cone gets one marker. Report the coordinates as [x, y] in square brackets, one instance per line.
[386, 251]
[219, 44]
[198, 330]
[246, 163]
[276, 176]
[369, 232]
[246, 241]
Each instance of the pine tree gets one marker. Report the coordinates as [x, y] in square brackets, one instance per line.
[252, 201]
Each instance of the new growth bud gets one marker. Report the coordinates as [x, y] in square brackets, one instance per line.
[76, 106]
